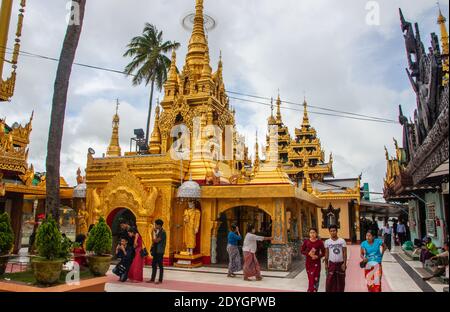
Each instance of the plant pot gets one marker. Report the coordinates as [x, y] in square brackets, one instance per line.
[99, 265]
[3, 262]
[47, 272]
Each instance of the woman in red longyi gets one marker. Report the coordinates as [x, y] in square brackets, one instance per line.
[136, 271]
[314, 249]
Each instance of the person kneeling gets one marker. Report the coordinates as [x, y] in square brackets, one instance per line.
[124, 252]
[441, 261]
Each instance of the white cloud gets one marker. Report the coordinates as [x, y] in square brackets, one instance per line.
[321, 47]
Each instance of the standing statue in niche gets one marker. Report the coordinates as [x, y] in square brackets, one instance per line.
[191, 227]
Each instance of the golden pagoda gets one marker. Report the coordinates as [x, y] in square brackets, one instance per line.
[7, 86]
[195, 149]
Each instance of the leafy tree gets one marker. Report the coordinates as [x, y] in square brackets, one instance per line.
[6, 234]
[49, 239]
[149, 64]
[100, 238]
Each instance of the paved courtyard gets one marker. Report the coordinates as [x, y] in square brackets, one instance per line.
[400, 275]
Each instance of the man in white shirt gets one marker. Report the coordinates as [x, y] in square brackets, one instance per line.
[251, 264]
[335, 261]
[386, 231]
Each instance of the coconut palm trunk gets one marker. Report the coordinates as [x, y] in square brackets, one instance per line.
[60, 91]
[147, 134]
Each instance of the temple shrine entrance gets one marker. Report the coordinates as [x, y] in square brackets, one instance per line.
[113, 220]
[242, 216]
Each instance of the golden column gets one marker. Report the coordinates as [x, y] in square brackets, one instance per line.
[7, 86]
[5, 19]
[445, 48]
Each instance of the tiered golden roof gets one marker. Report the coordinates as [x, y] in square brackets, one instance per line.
[302, 158]
[14, 146]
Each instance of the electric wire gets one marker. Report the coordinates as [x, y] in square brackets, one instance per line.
[338, 113]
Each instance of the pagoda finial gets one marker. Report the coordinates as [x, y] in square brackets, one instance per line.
[172, 75]
[114, 146]
[117, 107]
[386, 153]
[198, 42]
[279, 107]
[305, 114]
[445, 46]
[271, 107]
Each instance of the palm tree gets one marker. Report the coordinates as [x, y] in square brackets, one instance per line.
[149, 64]
[61, 87]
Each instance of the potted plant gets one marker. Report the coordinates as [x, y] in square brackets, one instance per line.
[99, 242]
[53, 252]
[6, 240]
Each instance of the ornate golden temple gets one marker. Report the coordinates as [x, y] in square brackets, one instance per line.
[193, 127]
[20, 186]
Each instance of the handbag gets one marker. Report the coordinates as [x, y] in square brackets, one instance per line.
[144, 252]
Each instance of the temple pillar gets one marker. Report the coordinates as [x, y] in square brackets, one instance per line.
[279, 254]
[215, 228]
[16, 221]
[205, 231]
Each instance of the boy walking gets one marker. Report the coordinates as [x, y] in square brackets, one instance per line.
[335, 261]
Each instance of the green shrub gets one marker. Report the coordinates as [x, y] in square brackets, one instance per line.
[66, 249]
[49, 239]
[6, 234]
[100, 239]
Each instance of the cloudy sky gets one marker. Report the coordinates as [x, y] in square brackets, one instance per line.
[322, 48]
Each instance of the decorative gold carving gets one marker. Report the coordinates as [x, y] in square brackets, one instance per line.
[28, 177]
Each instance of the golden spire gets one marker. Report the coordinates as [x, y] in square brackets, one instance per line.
[257, 160]
[155, 140]
[220, 67]
[198, 43]
[172, 75]
[305, 114]
[445, 47]
[279, 109]
[114, 146]
[207, 70]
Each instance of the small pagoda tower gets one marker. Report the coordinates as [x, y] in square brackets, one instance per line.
[114, 146]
